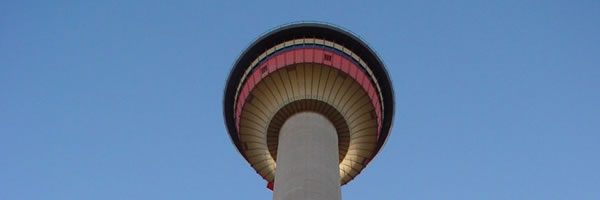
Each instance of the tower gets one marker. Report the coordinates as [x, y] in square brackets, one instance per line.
[308, 105]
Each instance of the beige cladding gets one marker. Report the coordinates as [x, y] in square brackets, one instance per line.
[309, 87]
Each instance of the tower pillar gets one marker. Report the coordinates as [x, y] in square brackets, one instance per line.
[307, 159]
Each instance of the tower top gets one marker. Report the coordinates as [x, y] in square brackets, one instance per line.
[309, 67]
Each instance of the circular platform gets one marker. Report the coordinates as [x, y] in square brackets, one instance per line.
[309, 67]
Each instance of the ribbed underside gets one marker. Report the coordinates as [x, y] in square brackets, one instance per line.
[308, 87]
[310, 105]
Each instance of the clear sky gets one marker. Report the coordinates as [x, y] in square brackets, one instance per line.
[123, 100]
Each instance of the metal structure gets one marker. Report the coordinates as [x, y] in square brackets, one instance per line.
[301, 95]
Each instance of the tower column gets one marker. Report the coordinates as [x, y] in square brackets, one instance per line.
[307, 159]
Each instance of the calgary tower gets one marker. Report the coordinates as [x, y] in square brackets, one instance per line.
[308, 105]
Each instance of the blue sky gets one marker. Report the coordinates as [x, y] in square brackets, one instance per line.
[122, 100]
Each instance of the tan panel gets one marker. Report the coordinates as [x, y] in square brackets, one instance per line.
[266, 169]
[257, 113]
[356, 153]
[342, 171]
[278, 81]
[264, 95]
[367, 138]
[256, 138]
[301, 85]
[268, 82]
[364, 106]
[356, 164]
[251, 125]
[323, 82]
[315, 81]
[351, 171]
[362, 146]
[261, 101]
[287, 84]
[255, 145]
[359, 96]
[371, 126]
[250, 153]
[360, 122]
[259, 166]
[308, 76]
[347, 82]
[371, 130]
[336, 90]
[346, 178]
[333, 74]
[269, 173]
[250, 133]
[259, 158]
[293, 75]
[350, 92]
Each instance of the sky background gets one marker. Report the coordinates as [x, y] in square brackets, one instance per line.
[123, 99]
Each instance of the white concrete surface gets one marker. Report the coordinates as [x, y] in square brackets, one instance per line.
[307, 159]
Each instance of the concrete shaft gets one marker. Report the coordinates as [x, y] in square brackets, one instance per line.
[307, 159]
